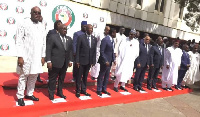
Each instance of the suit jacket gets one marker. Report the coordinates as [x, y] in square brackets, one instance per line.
[156, 57]
[53, 31]
[184, 60]
[84, 54]
[106, 51]
[75, 38]
[143, 58]
[55, 51]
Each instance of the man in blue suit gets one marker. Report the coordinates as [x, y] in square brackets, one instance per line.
[142, 64]
[185, 64]
[75, 38]
[156, 55]
[105, 60]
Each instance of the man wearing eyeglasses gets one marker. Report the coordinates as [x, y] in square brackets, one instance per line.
[30, 47]
[59, 57]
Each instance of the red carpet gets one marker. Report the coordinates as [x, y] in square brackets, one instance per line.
[8, 98]
[8, 106]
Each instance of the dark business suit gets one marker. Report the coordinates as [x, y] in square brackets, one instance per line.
[86, 56]
[106, 55]
[60, 58]
[143, 60]
[53, 31]
[185, 60]
[156, 57]
[75, 38]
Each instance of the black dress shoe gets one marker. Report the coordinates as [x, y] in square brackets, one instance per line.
[106, 92]
[115, 89]
[135, 88]
[170, 89]
[77, 95]
[93, 78]
[155, 88]
[122, 88]
[85, 93]
[99, 93]
[148, 87]
[39, 80]
[62, 96]
[113, 78]
[32, 98]
[164, 89]
[141, 89]
[21, 102]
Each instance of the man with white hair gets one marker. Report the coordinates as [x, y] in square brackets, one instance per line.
[128, 51]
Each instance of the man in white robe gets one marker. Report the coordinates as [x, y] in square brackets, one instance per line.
[127, 53]
[193, 73]
[31, 47]
[96, 68]
[172, 62]
[119, 36]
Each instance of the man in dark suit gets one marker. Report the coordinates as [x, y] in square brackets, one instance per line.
[142, 64]
[53, 31]
[85, 58]
[75, 38]
[59, 57]
[185, 64]
[156, 55]
[105, 60]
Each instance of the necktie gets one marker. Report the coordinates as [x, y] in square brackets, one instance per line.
[64, 43]
[146, 45]
[89, 41]
[160, 50]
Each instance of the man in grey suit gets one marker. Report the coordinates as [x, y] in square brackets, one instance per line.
[85, 58]
[59, 57]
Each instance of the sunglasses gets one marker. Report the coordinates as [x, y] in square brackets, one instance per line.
[36, 13]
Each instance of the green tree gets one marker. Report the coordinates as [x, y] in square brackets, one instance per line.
[192, 18]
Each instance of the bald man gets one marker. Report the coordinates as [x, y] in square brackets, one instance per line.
[31, 47]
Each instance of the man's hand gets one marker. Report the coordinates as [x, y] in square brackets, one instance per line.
[107, 64]
[70, 64]
[161, 67]
[138, 65]
[78, 65]
[115, 62]
[43, 61]
[49, 66]
[20, 62]
[167, 66]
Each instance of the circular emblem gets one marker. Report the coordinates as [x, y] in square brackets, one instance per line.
[20, 0]
[65, 14]
[3, 6]
[10, 20]
[3, 33]
[43, 3]
[85, 15]
[4, 47]
[19, 9]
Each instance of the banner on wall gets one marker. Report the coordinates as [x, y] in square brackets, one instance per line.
[12, 12]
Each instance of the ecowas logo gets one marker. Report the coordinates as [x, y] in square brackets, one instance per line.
[43, 3]
[11, 20]
[3, 6]
[3, 33]
[20, 0]
[65, 14]
[19, 9]
[4, 47]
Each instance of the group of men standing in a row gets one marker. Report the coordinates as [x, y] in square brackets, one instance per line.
[102, 53]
